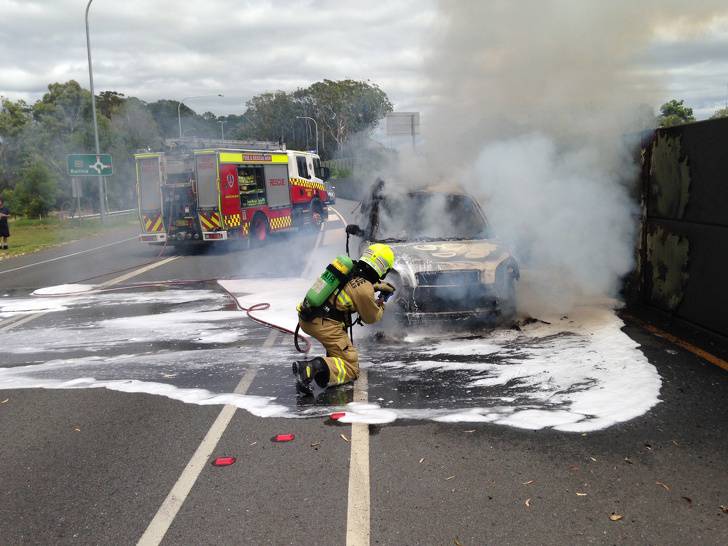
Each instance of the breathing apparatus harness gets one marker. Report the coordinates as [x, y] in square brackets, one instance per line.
[320, 301]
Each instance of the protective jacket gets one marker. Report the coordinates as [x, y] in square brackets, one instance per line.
[342, 359]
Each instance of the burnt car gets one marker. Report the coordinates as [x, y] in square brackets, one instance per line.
[446, 265]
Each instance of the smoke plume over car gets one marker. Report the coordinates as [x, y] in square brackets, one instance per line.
[536, 109]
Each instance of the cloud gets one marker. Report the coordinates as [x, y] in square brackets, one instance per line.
[167, 49]
[172, 49]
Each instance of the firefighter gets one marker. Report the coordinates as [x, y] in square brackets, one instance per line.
[348, 287]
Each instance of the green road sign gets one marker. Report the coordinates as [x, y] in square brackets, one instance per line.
[90, 165]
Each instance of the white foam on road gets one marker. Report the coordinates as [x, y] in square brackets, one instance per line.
[63, 290]
[579, 373]
[46, 303]
[261, 406]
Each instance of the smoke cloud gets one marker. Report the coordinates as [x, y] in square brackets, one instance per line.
[537, 112]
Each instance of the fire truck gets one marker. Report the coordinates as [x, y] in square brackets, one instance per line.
[216, 194]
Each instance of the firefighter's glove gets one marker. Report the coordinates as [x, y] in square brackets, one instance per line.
[384, 287]
[385, 290]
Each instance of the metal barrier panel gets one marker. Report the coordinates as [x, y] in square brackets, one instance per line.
[685, 233]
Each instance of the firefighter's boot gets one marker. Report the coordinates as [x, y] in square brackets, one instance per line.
[312, 376]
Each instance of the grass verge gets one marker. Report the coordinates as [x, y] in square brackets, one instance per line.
[27, 235]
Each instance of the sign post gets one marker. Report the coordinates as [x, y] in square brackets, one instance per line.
[403, 123]
[76, 192]
[98, 165]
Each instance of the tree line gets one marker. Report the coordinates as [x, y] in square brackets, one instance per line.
[675, 112]
[36, 138]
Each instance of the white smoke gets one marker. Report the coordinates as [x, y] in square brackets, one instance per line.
[537, 108]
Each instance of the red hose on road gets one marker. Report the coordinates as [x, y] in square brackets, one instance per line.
[263, 307]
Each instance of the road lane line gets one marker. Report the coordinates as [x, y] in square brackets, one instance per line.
[23, 320]
[697, 351]
[358, 512]
[337, 213]
[309, 263]
[10, 320]
[358, 506]
[112, 282]
[67, 255]
[271, 339]
[164, 517]
[319, 239]
[137, 272]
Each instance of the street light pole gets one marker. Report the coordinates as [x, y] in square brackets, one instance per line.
[222, 129]
[315, 125]
[93, 111]
[179, 106]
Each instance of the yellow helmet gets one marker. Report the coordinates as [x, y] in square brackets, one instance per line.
[379, 257]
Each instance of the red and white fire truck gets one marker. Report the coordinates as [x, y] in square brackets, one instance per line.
[217, 194]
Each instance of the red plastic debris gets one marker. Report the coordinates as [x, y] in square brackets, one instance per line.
[336, 416]
[223, 461]
[283, 438]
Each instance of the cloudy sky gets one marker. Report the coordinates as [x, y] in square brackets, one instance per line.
[174, 49]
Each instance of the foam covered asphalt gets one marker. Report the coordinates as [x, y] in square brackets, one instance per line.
[94, 465]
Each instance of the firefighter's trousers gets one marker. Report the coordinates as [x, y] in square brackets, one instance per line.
[341, 356]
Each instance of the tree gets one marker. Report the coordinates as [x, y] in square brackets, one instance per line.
[36, 138]
[15, 117]
[109, 102]
[269, 116]
[340, 108]
[35, 192]
[674, 112]
[165, 114]
[720, 113]
[344, 107]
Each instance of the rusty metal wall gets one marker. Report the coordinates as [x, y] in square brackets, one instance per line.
[684, 244]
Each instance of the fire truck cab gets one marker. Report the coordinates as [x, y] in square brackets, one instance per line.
[217, 194]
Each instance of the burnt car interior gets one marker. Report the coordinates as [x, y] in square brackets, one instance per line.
[423, 216]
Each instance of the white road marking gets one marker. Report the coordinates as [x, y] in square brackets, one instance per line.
[337, 213]
[23, 320]
[271, 339]
[309, 263]
[358, 513]
[112, 282]
[136, 272]
[164, 517]
[10, 320]
[358, 509]
[67, 255]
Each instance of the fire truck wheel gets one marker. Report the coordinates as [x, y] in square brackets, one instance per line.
[259, 229]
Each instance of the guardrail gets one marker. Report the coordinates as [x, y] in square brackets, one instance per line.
[111, 213]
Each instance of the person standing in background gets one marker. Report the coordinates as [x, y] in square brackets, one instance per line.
[4, 229]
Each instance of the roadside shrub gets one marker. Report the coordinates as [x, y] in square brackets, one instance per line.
[35, 192]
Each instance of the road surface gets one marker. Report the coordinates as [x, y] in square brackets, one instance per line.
[124, 457]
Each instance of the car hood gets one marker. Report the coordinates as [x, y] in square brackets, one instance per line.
[416, 257]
